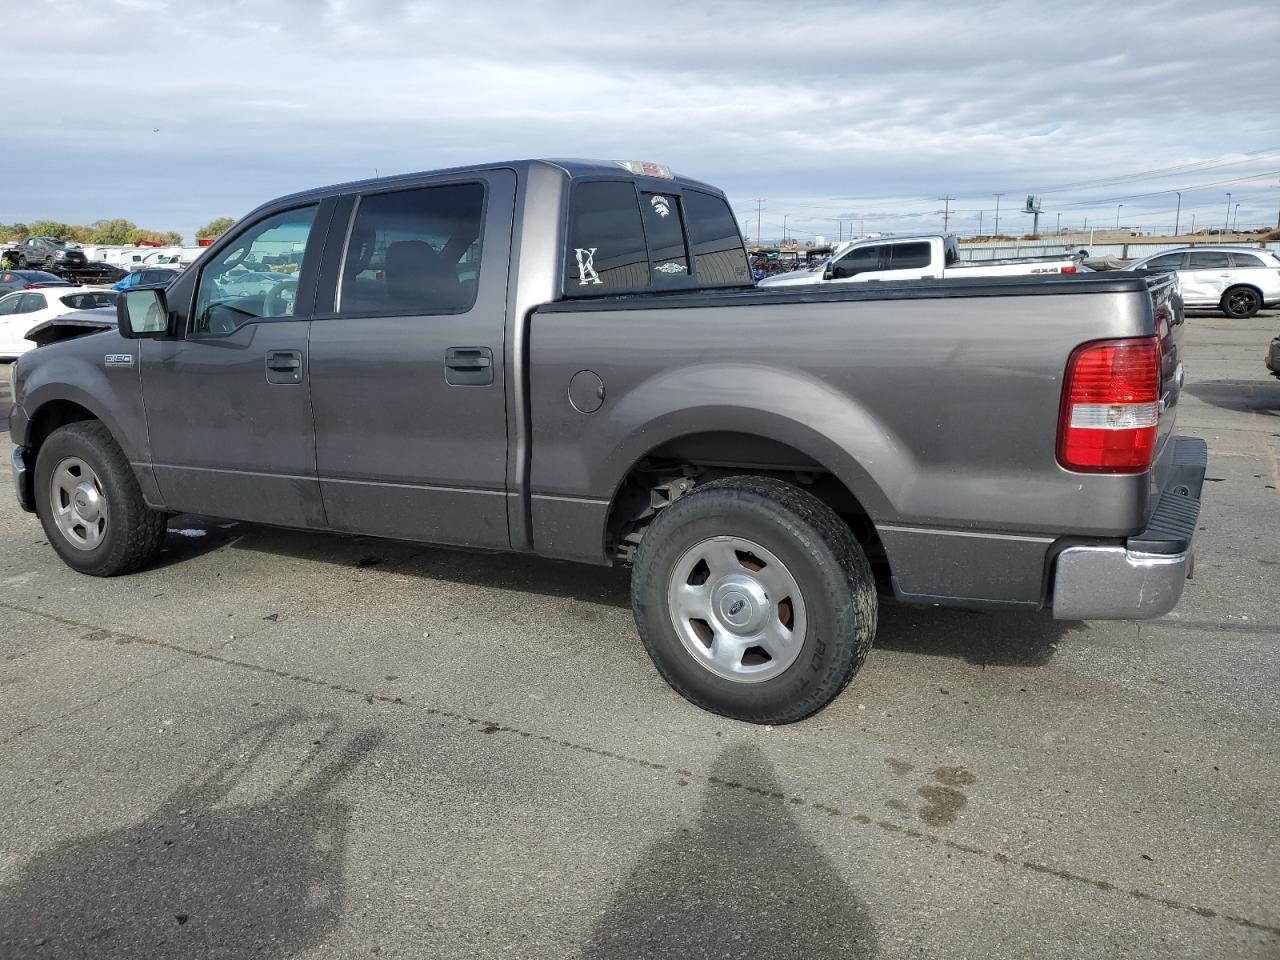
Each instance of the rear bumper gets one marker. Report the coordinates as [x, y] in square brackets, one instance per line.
[1143, 577]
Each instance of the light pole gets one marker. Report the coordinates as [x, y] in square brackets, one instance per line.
[1193, 224]
[1058, 229]
[1177, 217]
[1235, 218]
[996, 230]
[759, 210]
[1227, 224]
[1118, 206]
[784, 228]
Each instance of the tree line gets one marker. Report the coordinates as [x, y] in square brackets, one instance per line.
[117, 232]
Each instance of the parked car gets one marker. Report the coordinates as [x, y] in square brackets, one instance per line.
[24, 309]
[47, 253]
[928, 256]
[1239, 281]
[570, 359]
[11, 280]
[149, 276]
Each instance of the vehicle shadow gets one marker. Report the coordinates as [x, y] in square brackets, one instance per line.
[985, 638]
[1243, 396]
[743, 881]
[203, 875]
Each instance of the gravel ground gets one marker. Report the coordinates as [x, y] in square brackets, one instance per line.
[276, 744]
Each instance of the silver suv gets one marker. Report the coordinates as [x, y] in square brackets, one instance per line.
[1238, 281]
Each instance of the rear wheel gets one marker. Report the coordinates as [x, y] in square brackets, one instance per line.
[754, 600]
[1241, 302]
[90, 505]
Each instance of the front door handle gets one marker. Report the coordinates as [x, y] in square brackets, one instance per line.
[468, 366]
[284, 366]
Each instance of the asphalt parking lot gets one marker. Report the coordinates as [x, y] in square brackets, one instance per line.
[277, 744]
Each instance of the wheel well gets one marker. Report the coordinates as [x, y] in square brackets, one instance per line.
[1243, 286]
[672, 469]
[51, 416]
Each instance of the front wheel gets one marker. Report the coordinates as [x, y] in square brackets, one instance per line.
[90, 505]
[1241, 303]
[754, 600]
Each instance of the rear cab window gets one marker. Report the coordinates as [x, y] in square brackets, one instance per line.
[623, 237]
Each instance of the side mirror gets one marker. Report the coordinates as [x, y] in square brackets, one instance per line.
[829, 272]
[142, 314]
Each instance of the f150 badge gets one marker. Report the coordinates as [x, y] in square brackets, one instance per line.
[118, 360]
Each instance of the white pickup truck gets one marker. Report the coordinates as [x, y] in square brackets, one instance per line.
[931, 256]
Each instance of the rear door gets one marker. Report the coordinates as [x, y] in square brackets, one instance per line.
[909, 260]
[1206, 276]
[407, 362]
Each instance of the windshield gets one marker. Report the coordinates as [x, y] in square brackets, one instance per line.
[60, 244]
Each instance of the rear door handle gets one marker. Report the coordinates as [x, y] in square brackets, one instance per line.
[284, 366]
[468, 366]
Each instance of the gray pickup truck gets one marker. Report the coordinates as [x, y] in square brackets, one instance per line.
[568, 358]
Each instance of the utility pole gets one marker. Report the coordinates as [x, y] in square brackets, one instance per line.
[759, 209]
[1226, 225]
[946, 211]
[1235, 219]
[1177, 217]
[1058, 230]
[1193, 224]
[996, 231]
[980, 213]
[784, 227]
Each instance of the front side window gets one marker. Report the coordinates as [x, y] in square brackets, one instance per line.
[606, 250]
[718, 254]
[1170, 261]
[9, 305]
[414, 252]
[1209, 260]
[908, 256]
[856, 261]
[256, 275]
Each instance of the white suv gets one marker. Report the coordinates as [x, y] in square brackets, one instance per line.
[1239, 281]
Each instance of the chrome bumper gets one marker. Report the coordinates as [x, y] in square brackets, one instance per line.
[1144, 576]
[1116, 583]
[22, 479]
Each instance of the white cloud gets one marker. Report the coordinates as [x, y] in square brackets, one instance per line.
[826, 108]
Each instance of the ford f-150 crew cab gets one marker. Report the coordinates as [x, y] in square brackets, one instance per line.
[569, 358]
[927, 256]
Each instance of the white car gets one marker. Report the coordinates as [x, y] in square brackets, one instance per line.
[1239, 281]
[24, 309]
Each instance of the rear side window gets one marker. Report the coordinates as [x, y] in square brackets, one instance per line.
[33, 302]
[1247, 260]
[908, 256]
[414, 252]
[606, 251]
[1209, 260]
[718, 254]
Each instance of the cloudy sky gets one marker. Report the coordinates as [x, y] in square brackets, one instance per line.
[172, 112]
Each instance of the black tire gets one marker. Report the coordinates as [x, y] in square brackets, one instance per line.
[1241, 303]
[819, 553]
[133, 531]
[19, 262]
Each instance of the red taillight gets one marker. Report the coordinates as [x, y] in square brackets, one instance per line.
[1068, 269]
[1110, 405]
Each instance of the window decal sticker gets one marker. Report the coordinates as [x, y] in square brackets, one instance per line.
[586, 266]
[669, 268]
[661, 205]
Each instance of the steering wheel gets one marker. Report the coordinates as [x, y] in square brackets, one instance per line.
[276, 304]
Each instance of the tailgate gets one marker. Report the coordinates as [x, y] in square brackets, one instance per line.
[1166, 305]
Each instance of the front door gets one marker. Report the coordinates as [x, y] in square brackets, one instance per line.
[407, 372]
[228, 413]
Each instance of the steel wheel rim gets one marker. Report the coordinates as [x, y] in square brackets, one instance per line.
[737, 609]
[79, 504]
[1241, 301]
